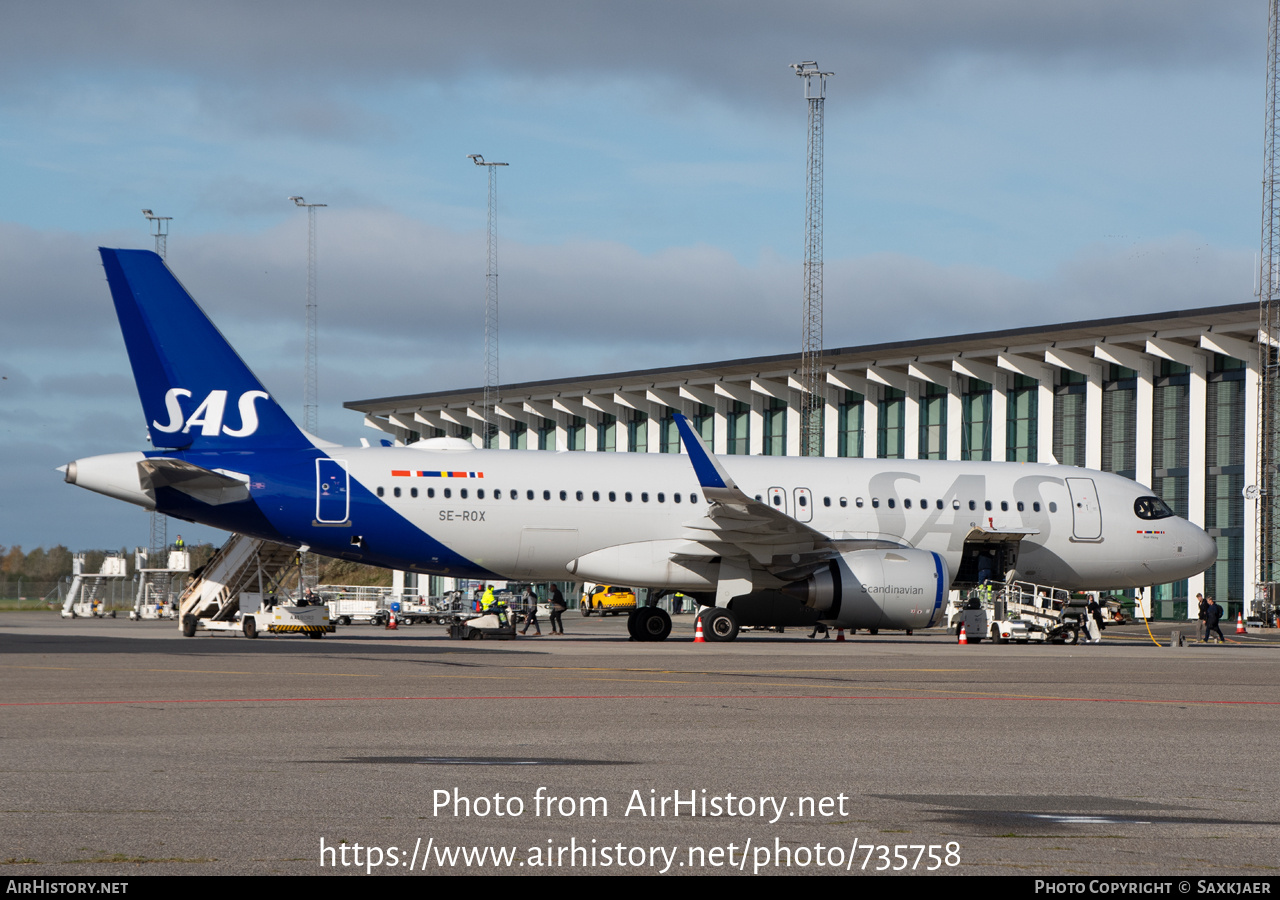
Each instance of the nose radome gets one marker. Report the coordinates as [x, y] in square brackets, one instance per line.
[1203, 548]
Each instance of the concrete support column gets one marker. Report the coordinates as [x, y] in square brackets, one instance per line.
[1198, 396]
[999, 417]
[911, 421]
[955, 417]
[1093, 418]
[756, 440]
[793, 424]
[562, 432]
[721, 443]
[831, 421]
[1044, 417]
[871, 421]
[592, 430]
[653, 428]
[1252, 386]
[1145, 408]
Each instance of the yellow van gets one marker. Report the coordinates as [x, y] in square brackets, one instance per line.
[608, 599]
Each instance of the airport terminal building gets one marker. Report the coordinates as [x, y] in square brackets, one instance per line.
[1168, 399]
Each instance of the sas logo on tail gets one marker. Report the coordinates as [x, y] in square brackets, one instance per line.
[208, 415]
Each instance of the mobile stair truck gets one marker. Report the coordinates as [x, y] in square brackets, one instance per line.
[238, 591]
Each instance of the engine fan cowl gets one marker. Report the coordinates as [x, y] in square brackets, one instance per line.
[898, 588]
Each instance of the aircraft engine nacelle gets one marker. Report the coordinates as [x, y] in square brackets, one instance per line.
[898, 588]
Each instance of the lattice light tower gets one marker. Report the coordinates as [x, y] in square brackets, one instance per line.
[157, 551]
[1267, 489]
[813, 385]
[310, 574]
[490, 436]
[310, 381]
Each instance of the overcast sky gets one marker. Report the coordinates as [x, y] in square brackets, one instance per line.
[989, 164]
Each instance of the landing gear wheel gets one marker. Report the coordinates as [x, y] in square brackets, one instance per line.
[250, 627]
[719, 625]
[649, 624]
[188, 626]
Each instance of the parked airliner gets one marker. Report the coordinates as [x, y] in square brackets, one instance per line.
[855, 543]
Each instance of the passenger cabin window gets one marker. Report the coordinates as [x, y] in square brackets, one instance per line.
[448, 493]
[826, 501]
[987, 504]
[891, 503]
[413, 492]
[595, 495]
[644, 496]
[693, 498]
[564, 495]
[675, 497]
[1053, 507]
[463, 493]
[906, 504]
[1151, 508]
[1004, 505]
[875, 502]
[613, 497]
[431, 492]
[396, 491]
[662, 498]
[380, 492]
[804, 501]
[479, 494]
[627, 495]
[546, 495]
[578, 495]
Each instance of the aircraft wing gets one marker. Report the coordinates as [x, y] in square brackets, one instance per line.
[212, 486]
[737, 525]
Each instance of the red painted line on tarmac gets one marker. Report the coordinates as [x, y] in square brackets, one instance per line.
[1001, 699]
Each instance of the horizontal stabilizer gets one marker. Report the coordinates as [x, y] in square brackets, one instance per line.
[212, 486]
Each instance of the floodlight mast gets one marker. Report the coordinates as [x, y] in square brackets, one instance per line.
[159, 231]
[490, 436]
[156, 552]
[310, 379]
[812, 379]
[310, 573]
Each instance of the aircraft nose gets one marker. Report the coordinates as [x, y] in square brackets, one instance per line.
[1202, 548]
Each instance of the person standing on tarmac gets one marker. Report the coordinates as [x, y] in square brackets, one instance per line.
[1212, 613]
[558, 606]
[530, 601]
[1093, 620]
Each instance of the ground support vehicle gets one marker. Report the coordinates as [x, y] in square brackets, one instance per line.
[497, 624]
[255, 614]
[346, 611]
[1030, 613]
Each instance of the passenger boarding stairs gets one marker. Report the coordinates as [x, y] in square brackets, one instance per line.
[243, 564]
[87, 593]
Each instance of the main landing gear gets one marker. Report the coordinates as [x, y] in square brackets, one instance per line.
[648, 623]
[719, 624]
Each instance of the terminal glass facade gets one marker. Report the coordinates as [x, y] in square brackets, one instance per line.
[1069, 420]
[849, 438]
[637, 432]
[892, 429]
[1224, 481]
[1170, 405]
[519, 432]
[1023, 419]
[704, 422]
[668, 433]
[1119, 421]
[576, 433]
[775, 427]
[739, 418]
[933, 422]
[607, 432]
[975, 429]
[547, 434]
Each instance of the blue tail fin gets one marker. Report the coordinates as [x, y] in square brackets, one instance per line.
[196, 391]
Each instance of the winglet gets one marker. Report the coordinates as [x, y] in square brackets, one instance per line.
[711, 475]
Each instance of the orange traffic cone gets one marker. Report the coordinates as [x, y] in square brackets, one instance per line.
[697, 634]
[392, 624]
[839, 635]
[964, 637]
[1240, 623]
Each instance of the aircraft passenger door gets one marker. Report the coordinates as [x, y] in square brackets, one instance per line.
[1086, 511]
[333, 497]
[778, 498]
[804, 505]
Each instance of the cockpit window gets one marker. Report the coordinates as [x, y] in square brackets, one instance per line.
[1151, 508]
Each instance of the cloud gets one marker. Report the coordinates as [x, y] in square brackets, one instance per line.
[734, 48]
